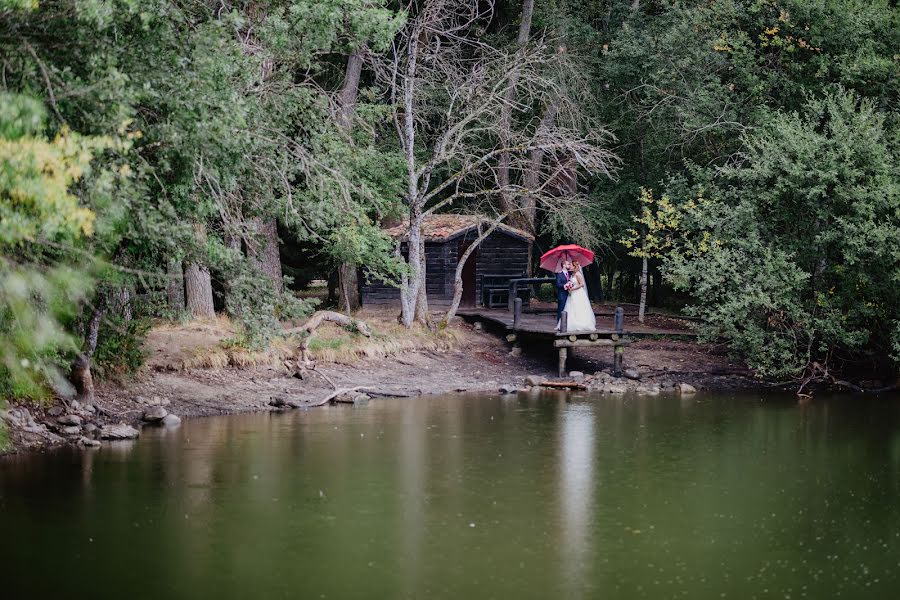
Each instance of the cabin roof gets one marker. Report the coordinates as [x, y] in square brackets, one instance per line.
[445, 227]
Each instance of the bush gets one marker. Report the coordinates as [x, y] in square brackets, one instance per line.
[547, 292]
[120, 348]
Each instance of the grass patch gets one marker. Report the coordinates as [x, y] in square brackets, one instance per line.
[212, 345]
[4, 435]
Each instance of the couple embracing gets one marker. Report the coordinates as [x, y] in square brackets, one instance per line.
[572, 297]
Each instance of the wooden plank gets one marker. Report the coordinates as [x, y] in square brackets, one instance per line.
[589, 343]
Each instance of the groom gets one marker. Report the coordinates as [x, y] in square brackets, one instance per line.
[562, 294]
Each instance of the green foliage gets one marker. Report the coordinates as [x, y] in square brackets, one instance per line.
[804, 260]
[120, 349]
[770, 127]
[547, 292]
[41, 222]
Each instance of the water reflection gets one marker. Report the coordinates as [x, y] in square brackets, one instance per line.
[576, 467]
[530, 496]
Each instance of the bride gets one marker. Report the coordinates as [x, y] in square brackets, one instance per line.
[579, 312]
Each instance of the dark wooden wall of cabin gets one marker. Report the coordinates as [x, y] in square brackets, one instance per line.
[437, 270]
[499, 254]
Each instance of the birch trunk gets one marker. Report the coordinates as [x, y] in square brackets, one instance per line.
[643, 305]
[409, 290]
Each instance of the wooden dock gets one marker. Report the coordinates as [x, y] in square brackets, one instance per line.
[540, 328]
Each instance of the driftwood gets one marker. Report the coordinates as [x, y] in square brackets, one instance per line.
[307, 330]
[566, 385]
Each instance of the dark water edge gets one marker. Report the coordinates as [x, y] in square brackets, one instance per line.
[529, 496]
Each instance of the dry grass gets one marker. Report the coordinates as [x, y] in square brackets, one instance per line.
[209, 344]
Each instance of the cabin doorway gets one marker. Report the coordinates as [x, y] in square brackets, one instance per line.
[468, 275]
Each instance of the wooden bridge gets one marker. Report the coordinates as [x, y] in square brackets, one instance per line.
[539, 327]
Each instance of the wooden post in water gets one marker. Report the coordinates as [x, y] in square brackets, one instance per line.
[563, 353]
[517, 313]
[618, 350]
[618, 355]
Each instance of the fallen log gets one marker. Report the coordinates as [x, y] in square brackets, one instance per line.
[334, 394]
[566, 385]
[307, 330]
[389, 394]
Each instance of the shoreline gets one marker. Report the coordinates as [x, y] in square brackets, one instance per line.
[474, 361]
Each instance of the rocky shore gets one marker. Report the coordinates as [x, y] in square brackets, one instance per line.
[480, 362]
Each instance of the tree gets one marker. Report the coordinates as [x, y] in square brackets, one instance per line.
[659, 225]
[447, 89]
[795, 262]
[348, 282]
[45, 272]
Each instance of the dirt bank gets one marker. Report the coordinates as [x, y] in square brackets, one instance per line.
[463, 359]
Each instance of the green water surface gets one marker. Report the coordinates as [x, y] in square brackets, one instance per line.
[470, 497]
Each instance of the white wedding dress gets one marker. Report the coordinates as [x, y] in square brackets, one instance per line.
[579, 312]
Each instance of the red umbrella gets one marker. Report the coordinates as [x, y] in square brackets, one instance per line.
[552, 260]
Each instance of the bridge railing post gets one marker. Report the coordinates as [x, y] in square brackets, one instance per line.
[619, 320]
[564, 322]
[517, 312]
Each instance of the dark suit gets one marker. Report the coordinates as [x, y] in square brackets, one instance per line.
[562, 295]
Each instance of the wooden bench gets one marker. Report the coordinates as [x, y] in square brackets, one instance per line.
[495, 290]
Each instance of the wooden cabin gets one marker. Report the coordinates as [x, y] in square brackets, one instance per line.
[503, 254]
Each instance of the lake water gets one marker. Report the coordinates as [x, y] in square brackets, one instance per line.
[470, 497]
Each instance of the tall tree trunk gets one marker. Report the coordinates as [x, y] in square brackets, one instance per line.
[175, 285]
[120, 303]
[422, 315]
[346, 98]
[643, 305]
[264, 251]
[507, 204]
[80, 375]
[348, 287]
[409, 290]
[535, 164]
[198, 282]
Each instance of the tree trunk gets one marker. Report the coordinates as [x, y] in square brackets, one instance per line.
[535, 160]
[175, 285]
[409, 290]
[346, 98]
[348, 281]
[120, 303]
[348, 287]
[198, 283]
[264, 252]
[80, 375]
[643, 305]
[460, 266]
[422, 315]
[507, 204]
